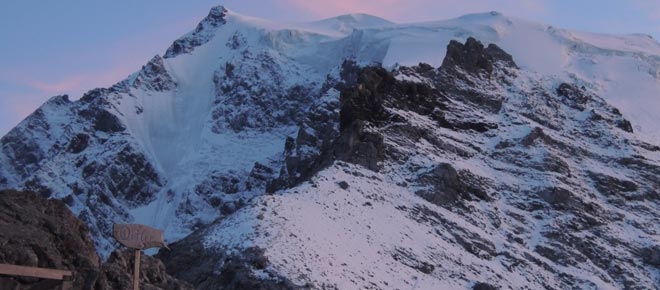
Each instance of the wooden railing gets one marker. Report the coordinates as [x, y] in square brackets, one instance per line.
[54, 278]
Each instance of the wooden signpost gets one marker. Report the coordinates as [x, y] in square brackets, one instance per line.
[138, 237]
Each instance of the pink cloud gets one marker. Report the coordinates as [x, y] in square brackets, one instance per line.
[68, 84]
[74, 83]
[14, 106]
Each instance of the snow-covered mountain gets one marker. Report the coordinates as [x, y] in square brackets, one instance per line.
[395, 156]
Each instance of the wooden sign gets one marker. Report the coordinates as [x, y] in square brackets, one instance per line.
[138, 237]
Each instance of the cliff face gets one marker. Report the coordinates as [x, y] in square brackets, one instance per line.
[38, 232]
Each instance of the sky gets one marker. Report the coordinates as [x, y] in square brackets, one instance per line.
[53, 47]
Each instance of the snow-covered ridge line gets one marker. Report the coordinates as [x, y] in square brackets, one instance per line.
[624, 68]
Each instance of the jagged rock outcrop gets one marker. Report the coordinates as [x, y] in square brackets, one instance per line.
[222, 270]
[201, 35]
[472, 57]
[40, 232]
[154, 76]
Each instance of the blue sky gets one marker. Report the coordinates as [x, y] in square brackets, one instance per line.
[50, 47]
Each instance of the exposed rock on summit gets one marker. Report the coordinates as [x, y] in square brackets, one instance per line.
[473, 57]
[202, 33]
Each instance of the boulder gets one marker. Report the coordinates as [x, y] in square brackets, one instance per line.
[445, 185]
[215, 269]
[651, 256]
[483, 286]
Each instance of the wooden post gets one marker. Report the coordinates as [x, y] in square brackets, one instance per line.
[136, 271]
[138, 237]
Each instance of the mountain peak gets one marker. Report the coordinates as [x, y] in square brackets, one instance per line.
[361, 18]
[485, 17]
[202, 33]
[218, 10]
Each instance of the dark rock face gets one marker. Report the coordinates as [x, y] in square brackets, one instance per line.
[483, 286]
[406, 258]
[252, 95]
[365, 101]
[135, 185]
[94, 95]
[26, 152]
[611, 185]
[78, 143]
[105, 121]
[625, 125]
[472, 57]
[189, 260]
[469, 66]
[558, 197]
[446, 186]
[536, 134]
[202, 34]
[574, 97]
[154, 76]
[360, 146]
[312, 149]
[36, 232]
[651, 256]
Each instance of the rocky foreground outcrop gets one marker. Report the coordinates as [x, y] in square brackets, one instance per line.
[39, 232]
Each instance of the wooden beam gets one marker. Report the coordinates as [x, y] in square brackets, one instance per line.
[13, 270]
